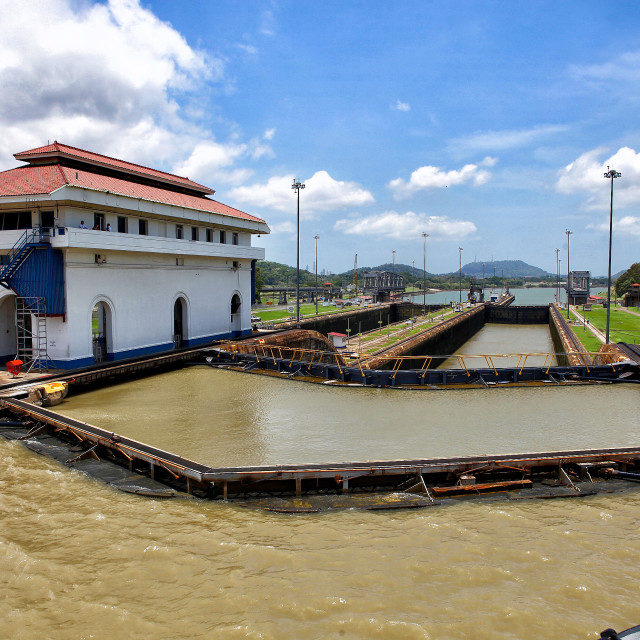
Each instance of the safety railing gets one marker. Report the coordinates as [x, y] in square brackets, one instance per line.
[466, 362]
[33, 236]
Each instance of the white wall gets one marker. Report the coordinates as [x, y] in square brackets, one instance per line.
[141, 290]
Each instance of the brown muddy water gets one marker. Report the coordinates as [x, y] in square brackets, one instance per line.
[502, 341]
[80, 560]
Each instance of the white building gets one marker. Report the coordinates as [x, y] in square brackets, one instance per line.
[159, 265]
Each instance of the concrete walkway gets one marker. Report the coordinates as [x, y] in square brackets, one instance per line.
[596, 332]
[627, 310]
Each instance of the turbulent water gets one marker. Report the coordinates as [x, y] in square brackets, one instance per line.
[79, 560]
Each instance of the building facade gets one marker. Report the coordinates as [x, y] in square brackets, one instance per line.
[382, 285]
[103, 259]
[578, 287]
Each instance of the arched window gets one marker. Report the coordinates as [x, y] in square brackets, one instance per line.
[101, 331]
[236, 319]
[179, 323]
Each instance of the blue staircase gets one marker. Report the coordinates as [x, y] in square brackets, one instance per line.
[31, 239]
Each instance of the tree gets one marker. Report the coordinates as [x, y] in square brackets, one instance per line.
[259, 283]
[629, 277]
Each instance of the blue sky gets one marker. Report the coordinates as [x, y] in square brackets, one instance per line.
[487, 125]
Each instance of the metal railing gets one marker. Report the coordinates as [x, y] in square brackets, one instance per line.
[34, 236]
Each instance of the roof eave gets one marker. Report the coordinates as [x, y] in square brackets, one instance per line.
[61, 193]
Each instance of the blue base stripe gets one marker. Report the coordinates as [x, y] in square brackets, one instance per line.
[77, 363]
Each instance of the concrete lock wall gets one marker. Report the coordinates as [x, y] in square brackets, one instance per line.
[361, 320]
[448, 337]
[443, 339]
[517, 315]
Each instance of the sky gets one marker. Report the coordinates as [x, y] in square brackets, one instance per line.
[486, 124]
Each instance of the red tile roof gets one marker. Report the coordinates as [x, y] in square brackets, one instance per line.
[29, 181]
[45, 179]
[59, 150]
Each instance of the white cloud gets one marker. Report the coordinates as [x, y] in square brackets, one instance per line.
[248, 49]
[285, 228]
[429, 177]
[626, 226]
[401, 106]
[209, 162]
[623, 69]
[503, 140]
[267, 23]
[407, 225]
[321, 193]
[586, 175]
[108, 80]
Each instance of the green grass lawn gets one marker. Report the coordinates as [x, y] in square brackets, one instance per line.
[268, 315]
[623, 326]
[589, 341]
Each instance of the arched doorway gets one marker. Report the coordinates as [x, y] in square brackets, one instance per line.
[236, 320]
[101, 331]
[8, 338]
[179, 323]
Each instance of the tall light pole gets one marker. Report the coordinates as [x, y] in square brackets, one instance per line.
[483, 282]
[611, 173]
[460, 251]
[296, 186]
[394, 260]
[557, 277]
[316, 296]
[424, 274]
[568, 302]
[559, 271]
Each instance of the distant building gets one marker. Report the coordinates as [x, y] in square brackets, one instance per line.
[476, 292]
[339, 340]
[103, 259]
[632, 297]
[382, 285]
[578, 287]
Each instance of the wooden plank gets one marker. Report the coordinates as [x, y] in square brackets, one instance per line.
[462, 489]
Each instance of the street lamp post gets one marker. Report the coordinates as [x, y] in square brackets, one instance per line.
[611, 174]
[296, 186]
[568, 301]
[557, 277]
[460, 251]
[316, 296]
[424, 274]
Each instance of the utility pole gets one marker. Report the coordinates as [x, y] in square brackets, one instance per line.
[611, 173]
[424, 274]
[557, 277]
[316, 296]
[460, 250]
[296, 186]
[568, 303]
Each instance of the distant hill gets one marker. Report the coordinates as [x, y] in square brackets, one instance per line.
[504, 268]
[275, 273]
